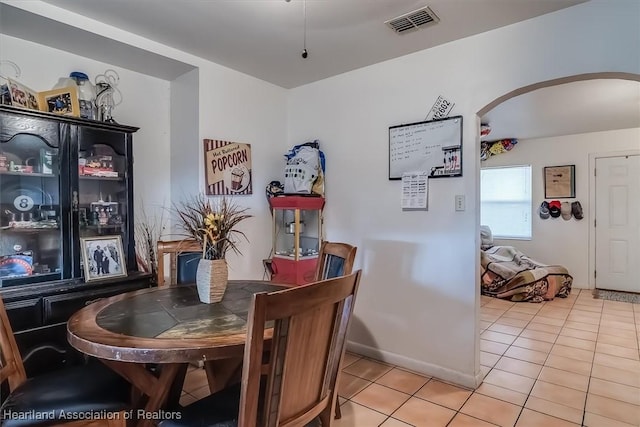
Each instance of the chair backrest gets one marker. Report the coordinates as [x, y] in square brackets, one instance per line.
[174, 248]
[309, 330]
[11, 366]
[335, 259]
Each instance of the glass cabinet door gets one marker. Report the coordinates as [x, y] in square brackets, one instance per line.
[102, 208]
[31, 211]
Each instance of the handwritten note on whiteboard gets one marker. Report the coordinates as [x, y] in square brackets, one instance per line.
[433, 146]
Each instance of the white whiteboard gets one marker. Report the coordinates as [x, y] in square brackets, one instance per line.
[433, 146]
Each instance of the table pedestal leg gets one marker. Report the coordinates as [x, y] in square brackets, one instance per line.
[222, 372]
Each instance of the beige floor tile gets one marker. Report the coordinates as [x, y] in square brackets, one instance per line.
[492, 311]
[555, 313]
[484, 370]
[420, 413]
[539, 335]
[519, 367]
[354, 415]
[551, 329]
[368, 369]
[401, 380]
[486, 317]
[548, 320]
[614, 409]
[616, 350]
[625, 326]
[559, 394]
[590, 308]
[615, 390]
[526, 355]
[554, 409]
[567, 364]
[484, 324]
[349, 358]
[617, 305]
[584, 318]
[527, 308]
[616, 332]
[576, 333]
[518, 315]
[530, 418]
[617, 362]
[488, 359]
[622, 342]
[497, 337]
[519, 323]
[593, 420]
[501, 393]
[617, 316]
[462, 420]
[392, 422]
[576, 343]
[530, 344]
[564, 378]
[505, 329]
[491, 410]
[572, 353]
[444, 394]
[616, 375]
[581, 326]
[348, 385]
[380, 398]
[493, 347]
[510, 381]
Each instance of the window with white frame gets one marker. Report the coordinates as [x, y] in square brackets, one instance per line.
[505, 201]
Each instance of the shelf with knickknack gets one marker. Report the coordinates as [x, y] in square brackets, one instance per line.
[65, 183]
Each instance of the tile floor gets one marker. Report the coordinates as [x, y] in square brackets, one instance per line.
[567, 362]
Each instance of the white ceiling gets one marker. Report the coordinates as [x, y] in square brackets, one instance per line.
[567, 109]
[264, 38]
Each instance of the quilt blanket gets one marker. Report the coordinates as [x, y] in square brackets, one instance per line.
[508, 273]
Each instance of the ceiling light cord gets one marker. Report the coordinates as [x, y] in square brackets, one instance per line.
[305, 54]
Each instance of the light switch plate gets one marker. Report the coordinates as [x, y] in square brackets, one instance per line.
[459, 202]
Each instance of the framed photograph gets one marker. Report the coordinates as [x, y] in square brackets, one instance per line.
[60, 101]
[560, 182]
[22, 96]
[102, 257]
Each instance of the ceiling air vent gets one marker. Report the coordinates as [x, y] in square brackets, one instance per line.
[413, 20]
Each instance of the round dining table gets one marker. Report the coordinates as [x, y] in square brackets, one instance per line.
[170, 328]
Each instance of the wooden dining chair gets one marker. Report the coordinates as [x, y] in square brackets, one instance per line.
[335, 259]
[309, 328]
[183, 256]
[58, 396]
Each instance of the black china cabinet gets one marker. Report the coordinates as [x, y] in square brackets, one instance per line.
[65, 188]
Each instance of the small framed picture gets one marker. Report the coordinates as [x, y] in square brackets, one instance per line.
[22, 96]
[102, 257]
[560, 182]
[60, 101]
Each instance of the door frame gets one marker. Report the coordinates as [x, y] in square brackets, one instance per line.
[592, 206]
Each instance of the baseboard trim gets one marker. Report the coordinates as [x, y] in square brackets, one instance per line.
[429, 369]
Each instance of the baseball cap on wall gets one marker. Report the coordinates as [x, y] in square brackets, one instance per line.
[565, 211]
[555, 208]
[576, 210]
[543, 211]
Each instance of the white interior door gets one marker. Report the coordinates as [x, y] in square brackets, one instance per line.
[618, 223]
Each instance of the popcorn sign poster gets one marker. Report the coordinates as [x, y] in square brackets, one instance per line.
[227, 167]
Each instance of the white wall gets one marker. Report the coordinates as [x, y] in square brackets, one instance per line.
[418, 299]
[145, 104]
[556, 241]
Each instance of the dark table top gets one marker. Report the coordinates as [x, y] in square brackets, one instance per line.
[166, 324]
